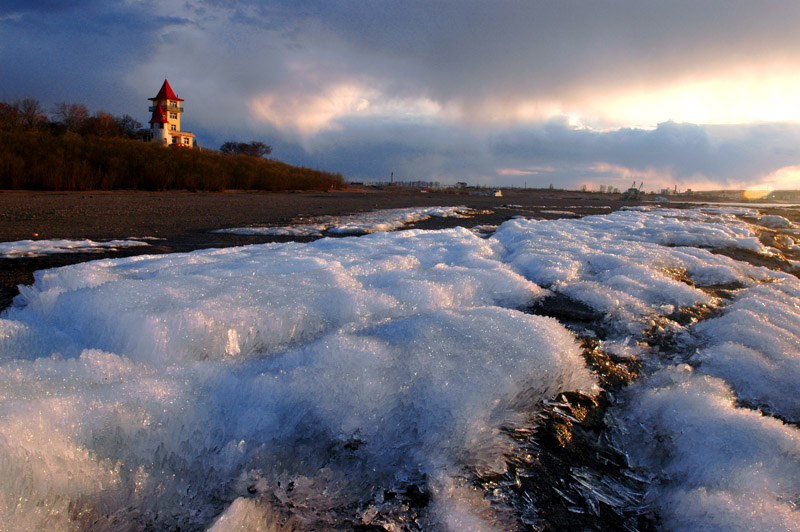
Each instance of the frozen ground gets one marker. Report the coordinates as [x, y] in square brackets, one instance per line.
[380, 380]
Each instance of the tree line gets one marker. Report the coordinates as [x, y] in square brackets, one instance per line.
[253, 149]
[28, 113]
[72, 149]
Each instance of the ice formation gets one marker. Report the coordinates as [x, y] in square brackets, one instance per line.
[717, 463]
[775, 221]
[34, 248]
[291, 386]
[719, 467]
[355, 224]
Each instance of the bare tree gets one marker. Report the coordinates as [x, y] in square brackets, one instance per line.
[253, 149]
[102, 124]
[9, 116]
[128, 126]
[31, 113]
[71, 115]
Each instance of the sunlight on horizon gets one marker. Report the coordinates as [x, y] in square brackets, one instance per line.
[757, 192]
[740, 96]
[723, 100]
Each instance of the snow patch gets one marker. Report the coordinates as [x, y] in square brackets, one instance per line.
[37, 248]
[363, 223]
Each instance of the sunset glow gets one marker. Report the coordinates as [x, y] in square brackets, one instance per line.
[757, 192]
[309, 115]
[743, 96]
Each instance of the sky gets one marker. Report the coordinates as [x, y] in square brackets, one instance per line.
[686, 94]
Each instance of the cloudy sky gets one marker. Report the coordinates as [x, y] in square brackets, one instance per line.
[694, 94]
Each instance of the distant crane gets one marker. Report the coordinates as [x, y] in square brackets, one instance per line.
[633, 193]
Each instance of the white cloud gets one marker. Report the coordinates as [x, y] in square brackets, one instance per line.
[309, 114]
[784, 178]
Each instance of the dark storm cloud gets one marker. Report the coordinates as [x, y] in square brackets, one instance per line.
[466, 51]
[554, 153]
[8, 7]
[727, 154]
[75, 51]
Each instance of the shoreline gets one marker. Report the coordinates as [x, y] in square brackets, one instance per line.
[176, 214]
[181, 221]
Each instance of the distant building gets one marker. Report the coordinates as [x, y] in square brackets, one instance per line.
[633, 193]
[165, 125]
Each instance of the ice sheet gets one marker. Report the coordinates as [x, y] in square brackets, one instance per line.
[775, 221]
[719, 463]
[718, 467]
[337, 366]
[297, 385]
[34, 248]
[363, 223]
[754, 347]
[627, 264]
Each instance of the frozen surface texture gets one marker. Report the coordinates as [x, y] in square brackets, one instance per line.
[32, 248]
[719, 467]
[701, 432]
[369, 380]
[161, 389]
[363, 223]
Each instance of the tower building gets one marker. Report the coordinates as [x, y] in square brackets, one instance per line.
[165, 124]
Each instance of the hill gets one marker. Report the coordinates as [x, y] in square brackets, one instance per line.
[36, 159]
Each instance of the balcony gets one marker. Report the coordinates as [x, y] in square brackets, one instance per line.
[176, 109]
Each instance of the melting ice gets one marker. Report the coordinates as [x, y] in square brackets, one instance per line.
[368, 380]
[35, 248]
[362, 223]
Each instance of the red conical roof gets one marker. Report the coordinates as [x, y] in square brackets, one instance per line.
[166, 93]
[159, 115]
